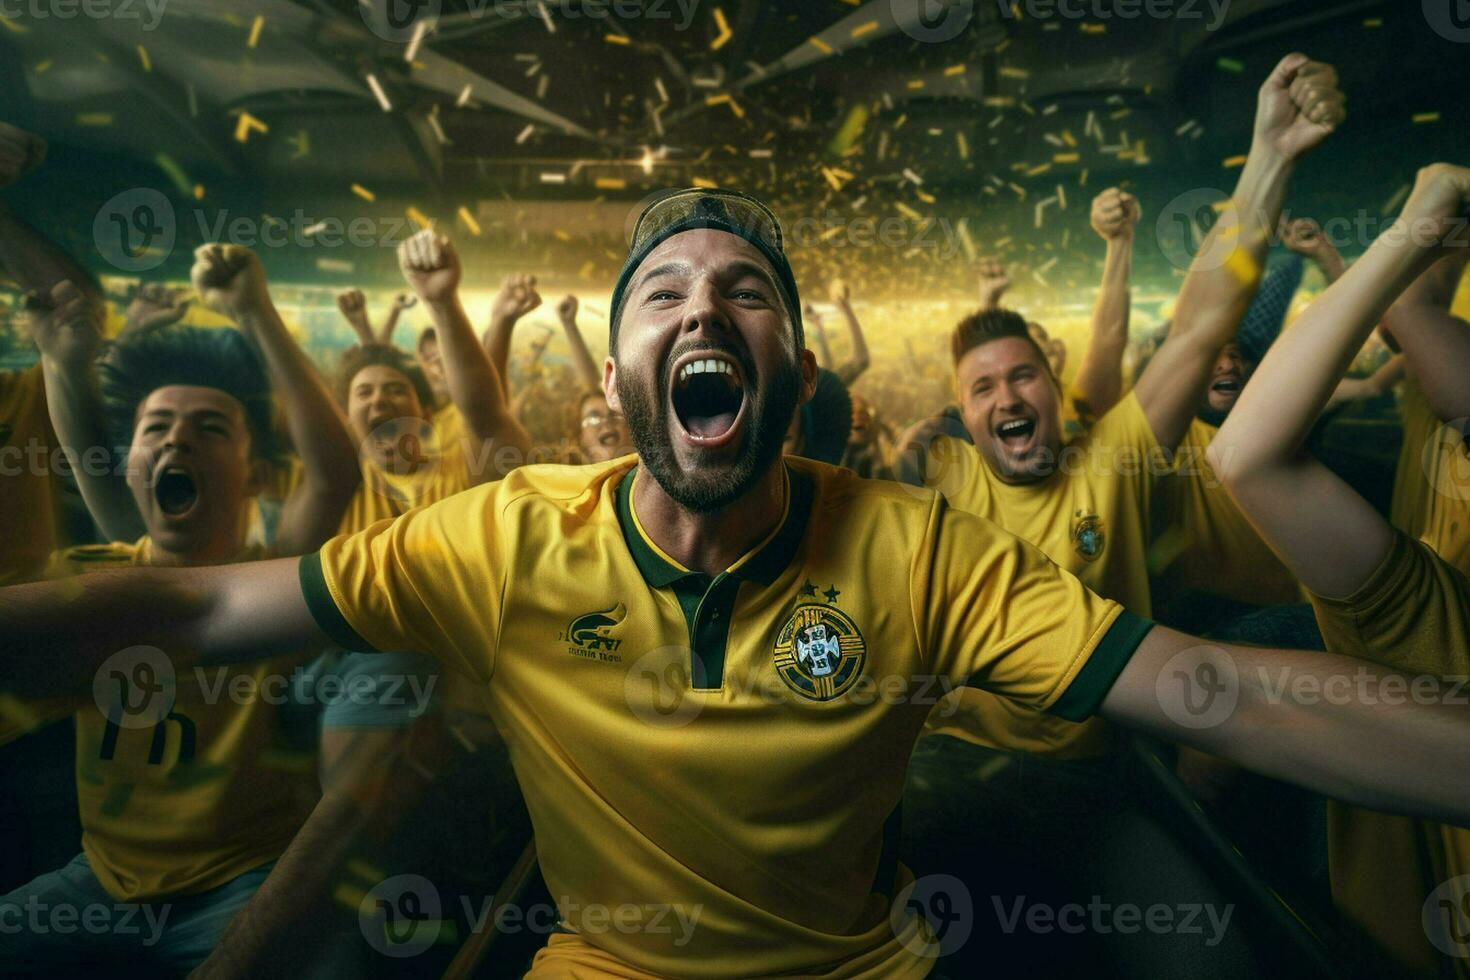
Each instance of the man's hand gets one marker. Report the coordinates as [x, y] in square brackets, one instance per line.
[1115, 213]
[353, 305]
[566, 310]
[67, 326]
[430, 266]
[20, 153]
[839, 292]
[1299, 106]
[994, 281]
[516, 298]
[153, 307]
[403, 301]
[230, 280]
[1304, 237]
[1435, 214]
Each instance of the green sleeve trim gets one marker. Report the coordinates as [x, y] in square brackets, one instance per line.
[1085, 694]
[324, 608]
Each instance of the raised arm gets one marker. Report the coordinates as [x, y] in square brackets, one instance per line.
[401, 302]
[153, 307]
[1275, 712]
[587, 370]
[1299, 105]
[852, 369]
[1389, 373]
[67, 328]
[817, 330]
[35, 262]
[516, 298]
[1099, 381]
[431, 267]
[353, 305]
[1304, 237]
[55, 636]
[231, 281]
[994, 281]
[1435, 344]
[1330, 537]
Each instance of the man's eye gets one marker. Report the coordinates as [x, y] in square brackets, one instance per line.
[661, 295]
[154, 427]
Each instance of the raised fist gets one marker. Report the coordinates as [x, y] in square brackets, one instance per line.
[1304, 237]
[839, 292]
[1437, 210]
[20, 153]
[67, 325]
[229, 280]
[1299, 106]
[516, 298]
[567, 309]
[153, 307]
[1114, 213]
[994, 281]
[430, 266]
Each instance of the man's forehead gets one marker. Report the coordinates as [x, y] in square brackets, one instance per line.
[379, 374]
[702, 249]
[186, 399]
[999, 354]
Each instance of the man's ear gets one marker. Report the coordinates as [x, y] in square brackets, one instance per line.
[808, 363]
[610, 385]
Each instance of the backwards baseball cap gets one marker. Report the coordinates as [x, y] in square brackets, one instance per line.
[696, 207]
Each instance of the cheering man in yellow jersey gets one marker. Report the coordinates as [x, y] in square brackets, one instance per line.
[1379, 593]
[1087, 504]
[181, 811]
[802, 611]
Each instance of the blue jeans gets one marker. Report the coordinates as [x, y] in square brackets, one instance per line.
[65, 919]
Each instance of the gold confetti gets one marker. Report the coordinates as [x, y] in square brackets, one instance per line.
[468, 220]
[726, 99]
[246, 125]
[143, 57]
[418, 217]
[1038, 170]
[703, 182]
[1230, 162]
[364, 193]
[916, 84]
[954, 70]
[821, 45]
[255, 31]
[862, 29]
[610, 184]
[43, 67]
[1426, 117]
[616, 39]
[1094, 28]
[725, 33]
[907, 211]
[1066, 157]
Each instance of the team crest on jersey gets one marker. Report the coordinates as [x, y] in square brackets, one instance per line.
[590, 636]
[1088, 536]
[820, 653]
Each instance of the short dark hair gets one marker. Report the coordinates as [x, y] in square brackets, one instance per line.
[202, 357]
[427, 335]
[993, 324]
[354, 359]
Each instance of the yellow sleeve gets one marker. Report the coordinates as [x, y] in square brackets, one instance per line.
[1413, 614]
[431, 580]
[997, 614]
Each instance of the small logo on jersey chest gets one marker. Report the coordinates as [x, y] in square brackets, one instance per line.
[1088, 536]
[591, 635]
[820, 652]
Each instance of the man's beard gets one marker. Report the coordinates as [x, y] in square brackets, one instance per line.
[710, 490]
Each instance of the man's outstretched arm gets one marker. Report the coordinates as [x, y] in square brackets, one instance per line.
[517, 297]
[588, 373]
[1299, 105]
[850, 370]
[54, 636]
[1330, 537]
[1100, 378]
[1294, 715]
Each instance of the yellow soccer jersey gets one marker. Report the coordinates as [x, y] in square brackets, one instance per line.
[1414, 616]
[729, 749]
[1091, 517]
[191, 782]
[1431, 489]
[1207, 544]
[28, 487]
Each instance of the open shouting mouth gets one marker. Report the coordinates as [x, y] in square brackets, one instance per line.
[708, 397]
[1016, 434]
[176, 490]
